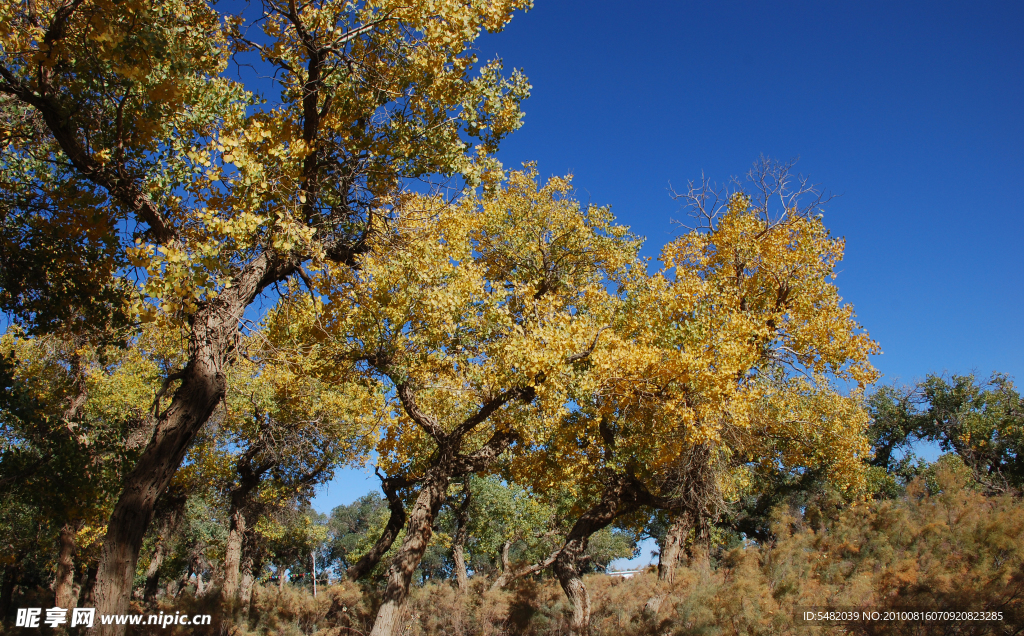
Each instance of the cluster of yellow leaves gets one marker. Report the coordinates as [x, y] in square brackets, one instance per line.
[731, 346]
[467, 300]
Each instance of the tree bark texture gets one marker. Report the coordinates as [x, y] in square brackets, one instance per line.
[246, 583]
[153, 571]
[64, 582]
[87, 598]
[169, 511]
[249, 479]
[622, 494]
[459, 542]
[700, 556]
[506, 567]
[674, 539]
[447, 464]
[233, 556]
[417, 537]
[211, 349]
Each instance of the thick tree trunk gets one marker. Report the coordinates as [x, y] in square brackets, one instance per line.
[233, 556]
[63, 589]
[246, 582]
[674, 538]
[567, 570]
[579, 601]
[193, 404]
[417, 537]
[459, 542]
[506, 567]
[461, 576]
[447, 464]
[211, 348]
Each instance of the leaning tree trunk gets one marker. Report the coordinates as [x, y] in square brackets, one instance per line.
[508, 574]
[211, 349]
[459, 542]
[669, 556]
[506, 567]
[64, 582]
[153, 571]
[368, 561]
[417, 537]
[621, 495]
[447, 464]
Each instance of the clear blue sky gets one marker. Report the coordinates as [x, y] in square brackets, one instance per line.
[913, 112]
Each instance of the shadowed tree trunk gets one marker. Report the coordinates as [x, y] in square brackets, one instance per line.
[459, 542]
[674, 538]
[249, 478]
[170, 515]
[64, 582]
[700, 555]
[506, 567]
[87, 598]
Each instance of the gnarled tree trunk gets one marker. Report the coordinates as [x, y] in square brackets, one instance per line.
[233, 555]
[459, 542]
[447, 464]
[700, 554]
[87, 597]
[506, 567]
[64, 582]
[674, 538]
[417, 537]
[622, 494]
[170, 515]
[153, 571]
[211, 349]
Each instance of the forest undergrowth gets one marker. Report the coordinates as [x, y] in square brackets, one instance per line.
[942, 546]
